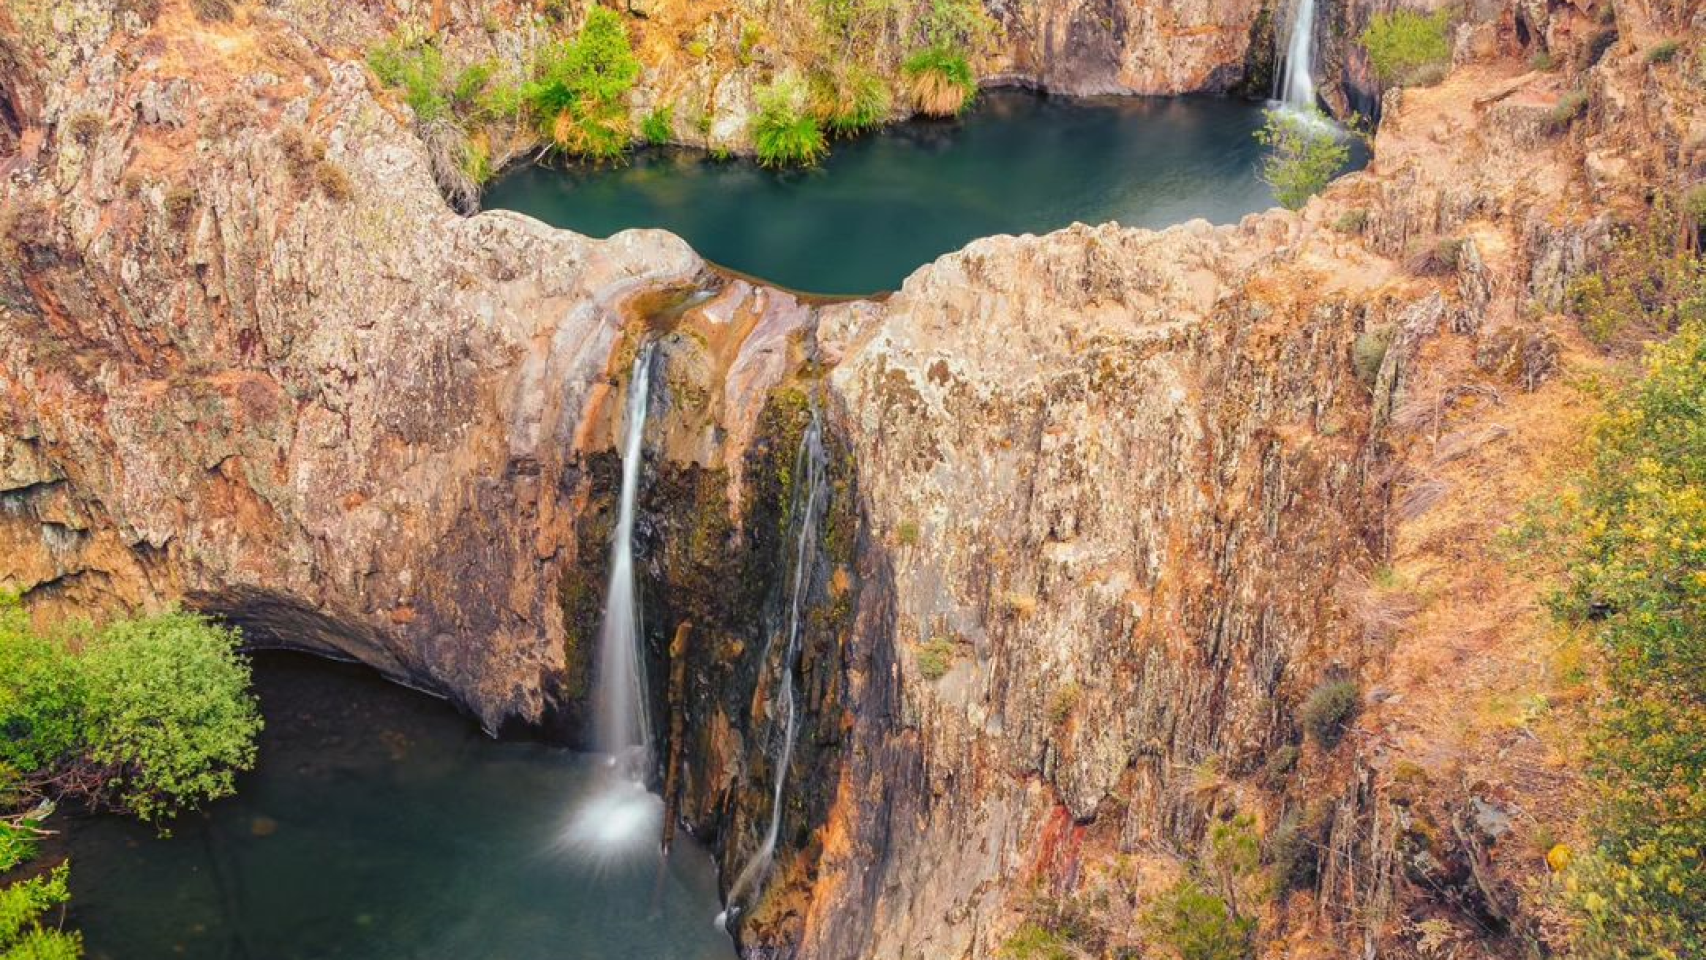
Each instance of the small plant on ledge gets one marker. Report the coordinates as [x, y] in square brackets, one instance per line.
[785, 133]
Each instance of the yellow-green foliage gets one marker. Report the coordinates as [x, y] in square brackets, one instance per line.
[1646, 287]
[1033, 941]
[1407, 47]
[27, 927]
[1634, 529]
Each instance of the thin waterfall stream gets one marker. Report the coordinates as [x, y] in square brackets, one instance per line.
[623, 816]
[806, 513]
[1297, 80]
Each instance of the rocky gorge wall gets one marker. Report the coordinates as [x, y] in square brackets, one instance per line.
[1105, 503]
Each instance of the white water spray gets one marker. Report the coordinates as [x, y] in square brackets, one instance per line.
[622, 817]
[1297, 80]
[806, 512]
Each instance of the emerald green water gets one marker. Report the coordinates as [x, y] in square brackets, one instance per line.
[379, 824]
[883, 205]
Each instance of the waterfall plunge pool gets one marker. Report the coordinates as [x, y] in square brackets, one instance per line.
[380, 824]
[885, 204]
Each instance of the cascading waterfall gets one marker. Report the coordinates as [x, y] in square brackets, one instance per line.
[1297, 80]
[621, 726]
[806, 512]
[621, 818]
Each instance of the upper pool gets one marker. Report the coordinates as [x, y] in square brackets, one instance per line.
[883, 205]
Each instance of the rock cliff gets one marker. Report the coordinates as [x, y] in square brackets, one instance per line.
[1106, 504]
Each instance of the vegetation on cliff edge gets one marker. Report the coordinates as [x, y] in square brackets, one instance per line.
[1305, 153]
[1632, 527]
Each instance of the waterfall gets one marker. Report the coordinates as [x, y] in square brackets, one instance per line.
[1297, 81]
[806, 514]
[621, 722]
[619, 820]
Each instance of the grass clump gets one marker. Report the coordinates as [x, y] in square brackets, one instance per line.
[1191, 923]
[657, 125]
[1329, 710]
[1408, 48]
[851, 100]
[179, 204]
[1305, 153]
[1543, 61]
[785, 133]
[1663, 52]
[940, 82]
[86, 128]
[934, 657]
[1033, 941]
[1352, 221]
[214, 11]
[1570, 107]
[1632, 529]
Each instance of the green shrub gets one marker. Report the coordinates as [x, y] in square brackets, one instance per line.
[784, 131]
[153, 714]
[24, 906]
[1664, 51]
[934, 657]
[940, 82]
[1694, 204]
[17, 844]
[1193, 924]
[907, 533]
[1305, 153]
[1569, 108]
[657, 126]
[1405, 46]
[576, 98]
[417, 71]
[955, 25]
[1632, 528]
[1329, 710]
[1543, 61]
[1294, 850]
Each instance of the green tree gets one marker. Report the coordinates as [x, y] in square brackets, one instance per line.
[1305, 152]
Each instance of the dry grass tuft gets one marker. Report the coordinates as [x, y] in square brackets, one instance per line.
[333, 181]
[214, 11]
[936, 95]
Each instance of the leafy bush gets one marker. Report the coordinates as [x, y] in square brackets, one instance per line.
[168, 710]
[1329, 710]
[955, 25]
[153, 713]
[1305, 152]
[784, 131]
[657, 126]
[1633, 526]
[23, 906]
[577, 96]
[1405, 46]
[417, 70]
[940, 82]
[1191, 923]
[17, 844]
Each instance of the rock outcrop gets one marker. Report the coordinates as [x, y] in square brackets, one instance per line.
[1101, 499]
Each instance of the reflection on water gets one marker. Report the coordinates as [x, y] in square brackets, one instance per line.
[381, 825]
[883, 205]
